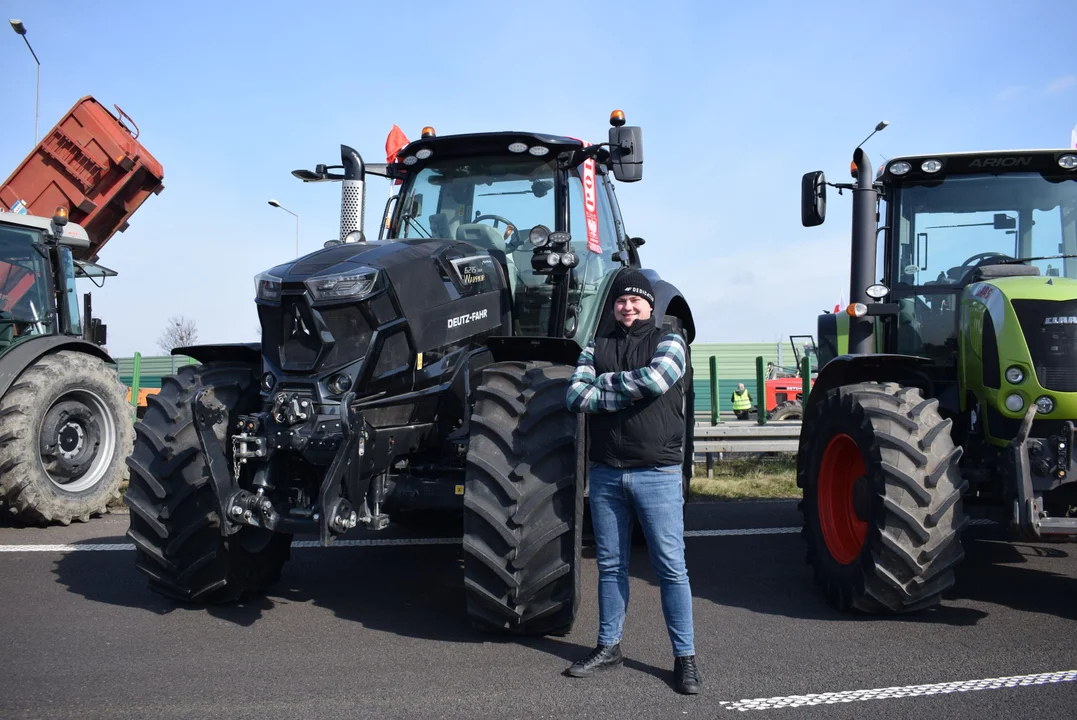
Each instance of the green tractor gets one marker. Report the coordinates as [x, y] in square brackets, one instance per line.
[948, 387]
[65, 425]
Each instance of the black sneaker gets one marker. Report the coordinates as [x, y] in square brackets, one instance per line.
[603, 657]
[686, 675]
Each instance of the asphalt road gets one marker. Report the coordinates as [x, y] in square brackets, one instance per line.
[382, 631]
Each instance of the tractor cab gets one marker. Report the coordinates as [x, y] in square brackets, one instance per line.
[539, 204]
[37, 278]
[954, 221]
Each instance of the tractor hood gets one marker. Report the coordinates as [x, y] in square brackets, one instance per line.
[1020, 333]
[424, 273]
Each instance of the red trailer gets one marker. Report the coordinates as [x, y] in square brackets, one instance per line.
[91, 163]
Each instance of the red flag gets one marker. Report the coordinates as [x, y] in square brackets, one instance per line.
[394, 143]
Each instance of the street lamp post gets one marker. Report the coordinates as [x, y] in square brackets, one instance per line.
[18, 27]
[276, 204]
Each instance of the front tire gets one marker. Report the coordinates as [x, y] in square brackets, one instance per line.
[882, 507]
[175, 518]
[523, 501]
[65, 429]
[788, 410]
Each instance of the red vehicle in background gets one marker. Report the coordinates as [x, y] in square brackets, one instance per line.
[785, 386]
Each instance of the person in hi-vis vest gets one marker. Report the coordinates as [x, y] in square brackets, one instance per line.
[742, 401]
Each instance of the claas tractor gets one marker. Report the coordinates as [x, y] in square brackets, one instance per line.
[423, 370]
[948, 388]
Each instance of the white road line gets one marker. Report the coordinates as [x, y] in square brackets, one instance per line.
[846, 696]
[389, 542]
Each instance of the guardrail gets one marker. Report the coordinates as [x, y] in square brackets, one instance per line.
[747, 437]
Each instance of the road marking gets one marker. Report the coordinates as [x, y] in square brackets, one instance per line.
[961, 686]
[390, 542]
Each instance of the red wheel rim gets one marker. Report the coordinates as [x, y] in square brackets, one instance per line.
[843, 531]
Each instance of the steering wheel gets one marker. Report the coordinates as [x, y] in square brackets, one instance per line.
[512, 244]
[979, 257]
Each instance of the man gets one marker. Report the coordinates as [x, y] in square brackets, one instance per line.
[742, 402]
[629, 381]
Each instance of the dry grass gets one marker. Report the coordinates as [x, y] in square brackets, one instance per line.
[747, 479]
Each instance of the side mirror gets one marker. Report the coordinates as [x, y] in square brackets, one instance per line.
[813, 198]
[626, 153]
[1004, 222]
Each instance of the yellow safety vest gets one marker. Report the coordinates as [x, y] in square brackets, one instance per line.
[742, 400]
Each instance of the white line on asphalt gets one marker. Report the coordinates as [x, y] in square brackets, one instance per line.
[398, 541]
[832, 698]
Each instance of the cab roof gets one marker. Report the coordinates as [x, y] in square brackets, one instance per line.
[1044, 160]
[74, 235]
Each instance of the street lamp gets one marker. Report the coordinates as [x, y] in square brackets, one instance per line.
[18, 27]
[276, 204]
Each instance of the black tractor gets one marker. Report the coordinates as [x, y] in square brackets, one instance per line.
[65, 426]
[425, 370]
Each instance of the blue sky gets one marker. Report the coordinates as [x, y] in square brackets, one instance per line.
[736, 102]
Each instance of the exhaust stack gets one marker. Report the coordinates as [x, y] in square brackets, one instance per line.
[352, 194]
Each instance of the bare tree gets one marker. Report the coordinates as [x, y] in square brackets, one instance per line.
[177, 333]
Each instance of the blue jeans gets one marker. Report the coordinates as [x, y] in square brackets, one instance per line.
[654, 495]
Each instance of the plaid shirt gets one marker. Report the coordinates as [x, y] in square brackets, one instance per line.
[610, 392]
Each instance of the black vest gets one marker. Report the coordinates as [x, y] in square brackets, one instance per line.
[648, 433]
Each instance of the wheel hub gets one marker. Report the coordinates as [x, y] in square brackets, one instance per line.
[70, 439]
[76, 440]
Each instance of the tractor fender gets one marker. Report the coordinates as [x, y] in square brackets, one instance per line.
[909, 370]
[29, 351]
[247, 353]
[557, 350]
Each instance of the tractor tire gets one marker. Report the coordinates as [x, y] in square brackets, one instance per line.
[523, 501]
[175, 519]
[65, 429]
[882, 506]
[788, 410]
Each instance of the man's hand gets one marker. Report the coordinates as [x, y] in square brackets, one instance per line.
[583, 393]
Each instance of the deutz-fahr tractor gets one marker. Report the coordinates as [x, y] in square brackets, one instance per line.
[424, 370]
[948, 389]
[65, 426]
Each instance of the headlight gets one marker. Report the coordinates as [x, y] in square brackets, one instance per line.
[1014, 403]
[350, 285]
[267, 287]
[539, 236]
[1015, 375]
[1045, 404]
[931, 166]
[1068, 162]
[900, 167]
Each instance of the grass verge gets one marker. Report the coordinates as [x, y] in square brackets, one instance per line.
[762, 478]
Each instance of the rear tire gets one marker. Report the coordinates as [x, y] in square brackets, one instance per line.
[175, 520]
[523, 501]
[65, 429]
[882, 498]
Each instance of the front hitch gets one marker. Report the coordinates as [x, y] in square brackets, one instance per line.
[239, 507]
[1029, 516]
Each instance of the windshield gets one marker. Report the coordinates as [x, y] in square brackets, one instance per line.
[476, 199]
[944, 231]
[23, 286]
